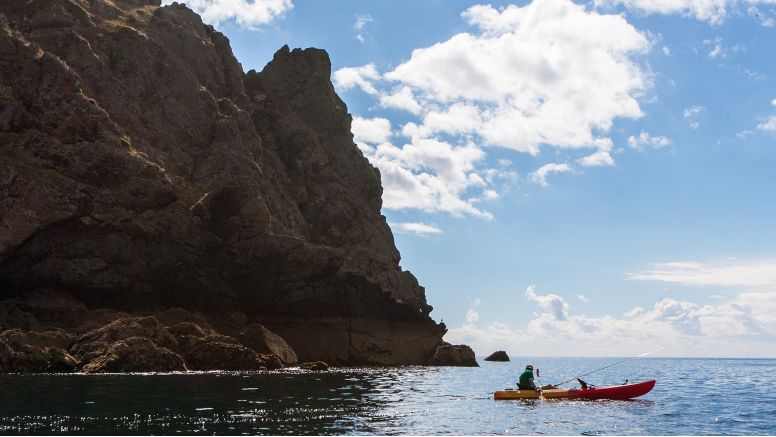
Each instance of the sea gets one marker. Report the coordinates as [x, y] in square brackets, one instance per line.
[692, 396]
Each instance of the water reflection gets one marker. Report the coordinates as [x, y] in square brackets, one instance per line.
[392, 401]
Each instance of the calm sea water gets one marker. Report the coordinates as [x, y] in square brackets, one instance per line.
[692, 396]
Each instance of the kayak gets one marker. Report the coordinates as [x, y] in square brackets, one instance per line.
[614, 392]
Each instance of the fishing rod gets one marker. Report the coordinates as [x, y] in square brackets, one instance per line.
[608, 366]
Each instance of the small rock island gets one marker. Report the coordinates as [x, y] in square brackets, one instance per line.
[162, 210]
[498, 356]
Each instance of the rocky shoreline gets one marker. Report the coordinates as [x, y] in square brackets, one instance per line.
[143, 175]
[172, 341]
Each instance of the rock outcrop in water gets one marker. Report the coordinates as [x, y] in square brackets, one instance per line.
[141, 170]
[498, 356]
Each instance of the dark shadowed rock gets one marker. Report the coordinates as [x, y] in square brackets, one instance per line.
[223, 353]
[11, 316]
[60, 361]
[30, 359]
[142, 172]
[264, 341]
[54, 338]
[447, 354]
[314, 366]
[498, 356]
[95, 343]
[135, 354]
[189, 329]
[6, 357]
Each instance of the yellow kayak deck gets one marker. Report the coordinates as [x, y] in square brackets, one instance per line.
[532, 394]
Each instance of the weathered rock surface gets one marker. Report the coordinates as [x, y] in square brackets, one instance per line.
[143, 173]
[497, 356]
[447, 354]
[27, 358]
[135, 354]
[262, 340]
[314, 366]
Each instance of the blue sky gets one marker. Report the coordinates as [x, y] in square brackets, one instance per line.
[564, 178]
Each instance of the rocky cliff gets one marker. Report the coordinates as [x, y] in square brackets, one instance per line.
[141, 169]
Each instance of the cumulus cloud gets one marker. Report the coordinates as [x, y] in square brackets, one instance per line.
[540, 176]
[745, 324]
[426, 173]
[645, 139]
[728, 273]
[550, 74]
[582, 298]
[551, 303]
[769, 125]
[362, 77]
[246, 13]
[415, 228]
[402, 99]
[368, 131]
[600, 158]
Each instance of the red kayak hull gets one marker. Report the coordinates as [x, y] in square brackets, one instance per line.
[615, 392]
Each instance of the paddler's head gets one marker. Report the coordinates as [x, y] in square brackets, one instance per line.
[529, 367]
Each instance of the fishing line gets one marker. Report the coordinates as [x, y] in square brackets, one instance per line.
[608, 366]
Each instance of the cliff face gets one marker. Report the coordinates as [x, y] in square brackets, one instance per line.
[141, 169]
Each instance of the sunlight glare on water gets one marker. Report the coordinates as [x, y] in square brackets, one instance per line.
[692, 396]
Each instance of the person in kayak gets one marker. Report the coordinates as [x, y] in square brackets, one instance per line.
[526, 381]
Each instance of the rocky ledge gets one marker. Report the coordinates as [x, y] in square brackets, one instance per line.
[141, 170]
[168, 342]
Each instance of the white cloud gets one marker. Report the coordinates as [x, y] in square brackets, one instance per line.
[769, 125]
[551, 303]
[430, 175]
[246, 13]
[713, 11]
[773, 102]
[472, 316]
[645, 139]
[582, 298]
[765, 20]
[358, 26]
[371, 130]
[540, 176]
[743, 325]
[600, 158]
[666, 50]
[727, 273]
[716, 47]
[634, 312]
[550, 74]
[401, 99]
[692, 113]
[415, 228]
[362, 77]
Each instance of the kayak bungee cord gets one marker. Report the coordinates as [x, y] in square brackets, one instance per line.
[608, 366]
